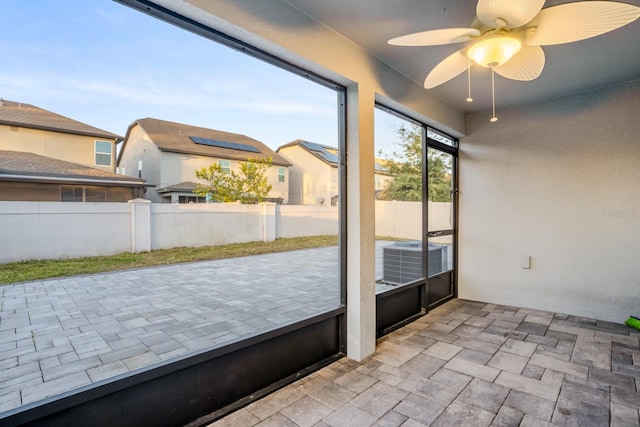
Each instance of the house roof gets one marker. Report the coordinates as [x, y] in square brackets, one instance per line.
[326, 153]
[29, 116]
[185, 186]
[22, 166]
[181, 138]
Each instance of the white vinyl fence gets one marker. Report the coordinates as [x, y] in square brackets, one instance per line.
[403, 219]
[52, 230]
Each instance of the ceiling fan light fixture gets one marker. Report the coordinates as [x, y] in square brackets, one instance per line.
[502, 27]
[494, 51]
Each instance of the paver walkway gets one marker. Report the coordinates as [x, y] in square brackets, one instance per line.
[471, 364]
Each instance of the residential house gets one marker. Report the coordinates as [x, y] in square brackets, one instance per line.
[25, 127]
[167, 155]
[32, 177]
[314, 173]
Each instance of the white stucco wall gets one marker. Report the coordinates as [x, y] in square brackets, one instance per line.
[404, 219]
[194, 225]
[298, 221]
[557, 181]
[50, 230]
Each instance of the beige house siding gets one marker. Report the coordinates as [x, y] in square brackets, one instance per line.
[279, 189]
[140, 148]
[51, 192]
[62, 146]
[180, 167]
[311, 178]
[166, 168]
[381, 181]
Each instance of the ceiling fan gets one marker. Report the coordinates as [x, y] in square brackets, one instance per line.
[506, 36]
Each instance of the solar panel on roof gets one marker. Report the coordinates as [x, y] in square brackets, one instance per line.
[379, 167]
[224, 144]
[331, 158]
[322, 151]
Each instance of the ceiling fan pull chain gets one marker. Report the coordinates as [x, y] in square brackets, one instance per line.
[493, 96]
[469, 98]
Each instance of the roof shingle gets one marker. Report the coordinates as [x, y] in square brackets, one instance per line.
[176, 137]
[29, 116]
[29, 164]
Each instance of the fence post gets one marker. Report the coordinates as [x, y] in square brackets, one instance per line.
[268, 218]
[140, 225]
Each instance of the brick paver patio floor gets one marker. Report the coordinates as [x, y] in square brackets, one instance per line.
[465, 363]
[60, 334]
[471, 364]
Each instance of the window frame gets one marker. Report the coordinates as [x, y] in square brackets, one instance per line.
[73, 189]
[230, 371]
[97, 153]
[378, 185]
[82, 196]
[225, 169]
[283, 174]
[415, 298]
[185, 200]
[339, 315]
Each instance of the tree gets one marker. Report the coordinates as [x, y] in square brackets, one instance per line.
[249, 185]
[405, 165]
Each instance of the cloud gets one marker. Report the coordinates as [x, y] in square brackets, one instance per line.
[16, 82]
[193, 96]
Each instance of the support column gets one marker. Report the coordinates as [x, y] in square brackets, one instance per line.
[361, 298]
[140, 225]
[268, 218]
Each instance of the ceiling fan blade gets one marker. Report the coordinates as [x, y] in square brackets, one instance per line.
[525, 65]
[515, 12]
[435, 37]
[447, 69]
[571, 22]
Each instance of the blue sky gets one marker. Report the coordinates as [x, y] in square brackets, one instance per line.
[107, 65]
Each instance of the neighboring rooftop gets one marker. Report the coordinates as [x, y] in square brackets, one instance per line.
[28, 166]
[326, 153]
[29, 116]
[183, 138]
[187, 186]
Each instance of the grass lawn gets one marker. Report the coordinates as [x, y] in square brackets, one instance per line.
[43, 269]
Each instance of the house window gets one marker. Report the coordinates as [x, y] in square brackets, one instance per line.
[191, 199]
[139, 168]
[103, 153]
[70, 193]
[95, 194]
[281, 174]
[378, 182]
[225, 165]
[79, 193]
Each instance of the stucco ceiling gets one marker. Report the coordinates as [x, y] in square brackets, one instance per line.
[599, 61]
